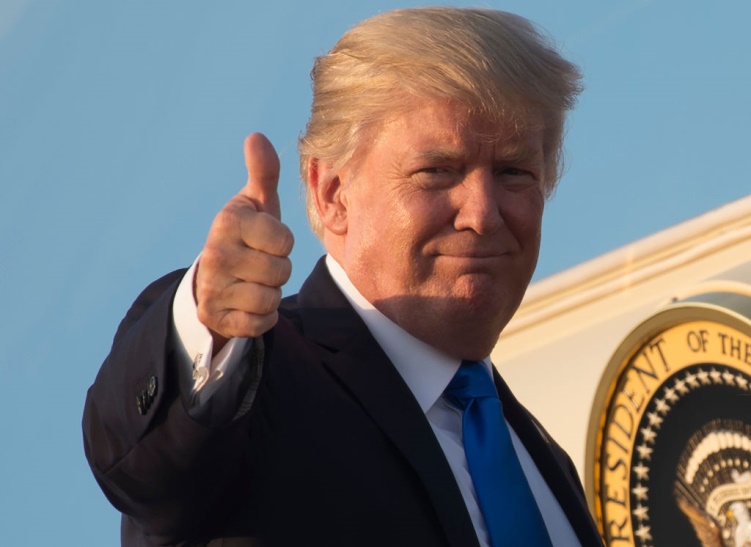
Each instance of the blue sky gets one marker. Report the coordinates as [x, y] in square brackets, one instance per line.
[121, 130]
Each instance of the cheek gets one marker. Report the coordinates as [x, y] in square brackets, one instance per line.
[408, 219]
[428, 213]
[523, 216]
[382, 235]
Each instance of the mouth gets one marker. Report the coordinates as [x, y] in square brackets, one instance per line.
[474, 255]
[468, 255]
[474, 262]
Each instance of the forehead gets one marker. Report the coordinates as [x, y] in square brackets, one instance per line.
[426, 125]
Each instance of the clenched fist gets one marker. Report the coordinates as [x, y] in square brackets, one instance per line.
[245, 260]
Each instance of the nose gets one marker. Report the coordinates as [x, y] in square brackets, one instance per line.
[477, 204]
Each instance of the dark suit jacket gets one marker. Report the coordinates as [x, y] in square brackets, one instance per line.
[335, 450]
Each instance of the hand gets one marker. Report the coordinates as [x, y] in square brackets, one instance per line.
[245, 260]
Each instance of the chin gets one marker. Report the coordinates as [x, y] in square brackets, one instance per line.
[484, 293]
[481, 314]
[468, 345]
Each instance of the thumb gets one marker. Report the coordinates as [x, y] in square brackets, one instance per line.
[262, 163]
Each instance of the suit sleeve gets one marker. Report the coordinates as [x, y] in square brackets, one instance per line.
[173, 475]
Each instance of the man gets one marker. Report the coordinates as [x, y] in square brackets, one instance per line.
[332, 417]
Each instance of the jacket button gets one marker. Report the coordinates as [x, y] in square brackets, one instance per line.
[141, 404]
[153, 387]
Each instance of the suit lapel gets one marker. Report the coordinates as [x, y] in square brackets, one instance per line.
[360, 363]
[553, 464]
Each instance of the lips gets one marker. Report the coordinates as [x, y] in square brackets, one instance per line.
[474, 248]
[473, 253]
[478, 263]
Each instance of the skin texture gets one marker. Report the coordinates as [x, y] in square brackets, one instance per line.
[437, 223]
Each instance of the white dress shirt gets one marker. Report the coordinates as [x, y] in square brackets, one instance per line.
[426, 371]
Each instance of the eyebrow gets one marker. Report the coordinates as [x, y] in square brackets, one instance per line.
[522, 154]
[515, 153]
[440, 155]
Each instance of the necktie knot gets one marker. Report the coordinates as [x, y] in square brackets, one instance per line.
[471, 381]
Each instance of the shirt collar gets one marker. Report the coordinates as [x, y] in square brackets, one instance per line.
[426, 370]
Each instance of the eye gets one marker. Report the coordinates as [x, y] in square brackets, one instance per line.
[515, 172]
[436, 176]
[517, 178]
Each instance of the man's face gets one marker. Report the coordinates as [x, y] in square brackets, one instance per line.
[443, 224]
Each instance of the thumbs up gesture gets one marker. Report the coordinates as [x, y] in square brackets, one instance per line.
[245, 260]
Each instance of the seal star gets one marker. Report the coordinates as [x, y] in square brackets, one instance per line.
[644, 533]
[703, 376]
[728, 377]
[642, 471]
[691, 379]
[640, 512]
[716, 376]
[645, 452]
[640, 491]
[741, 381]
[654, 419]
[649, 434]
[661, 406]
[680, 385]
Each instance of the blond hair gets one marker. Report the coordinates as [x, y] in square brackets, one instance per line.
[494, 63]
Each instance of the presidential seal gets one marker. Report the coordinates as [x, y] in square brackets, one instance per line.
[669, 445]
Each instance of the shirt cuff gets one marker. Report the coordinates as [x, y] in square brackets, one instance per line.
[195, 345]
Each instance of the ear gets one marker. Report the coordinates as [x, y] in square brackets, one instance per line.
[327, 192]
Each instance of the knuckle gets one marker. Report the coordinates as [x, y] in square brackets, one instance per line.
[235, 323]
[260, 324]
[273, 236]
[207, 281]
[211, 259]
[227, 326]
[206, 297]
[287, 241]
[217, 256]
[267, 269]
[283, 271]
[273, 298]
[225, 221]
[247, 325]
[229, 222]
[266, 300]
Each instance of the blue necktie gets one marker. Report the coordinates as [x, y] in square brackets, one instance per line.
[510, 510]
